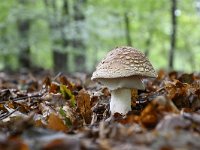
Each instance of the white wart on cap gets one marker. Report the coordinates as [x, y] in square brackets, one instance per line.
[123, 68]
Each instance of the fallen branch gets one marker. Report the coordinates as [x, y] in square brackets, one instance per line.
[8, 114]
[23, 98]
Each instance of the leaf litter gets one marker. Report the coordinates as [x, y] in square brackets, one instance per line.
[72, 112]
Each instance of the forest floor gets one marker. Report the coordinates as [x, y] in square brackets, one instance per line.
[42, 111]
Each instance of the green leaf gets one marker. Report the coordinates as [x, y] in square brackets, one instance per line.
[66, 119]
[62, 112]
[67, 94]
[68, 122]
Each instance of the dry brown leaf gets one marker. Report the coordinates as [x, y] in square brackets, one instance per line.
[12, 144]
[55, 123]
[11, 105]
[130, 118]
[155, 111]
[38, 123]
[170, 88]
[197, 92]
[47, 82]
[54, 88]
[62, 144]
[186, 78]
[105, 92]
[84, 105]
[173, 75]
[149, 117]
[161, 74]
[65, 81]
[134, 96]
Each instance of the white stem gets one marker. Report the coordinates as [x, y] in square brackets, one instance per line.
[120, 101]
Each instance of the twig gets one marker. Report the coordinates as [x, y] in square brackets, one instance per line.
[58, 75]
[4, 90]
[6, 115]
[25, 97]
[22, 98]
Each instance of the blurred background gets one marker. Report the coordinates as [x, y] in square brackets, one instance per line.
[74, 35]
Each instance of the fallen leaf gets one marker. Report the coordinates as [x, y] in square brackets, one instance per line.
[155, 110]
[47, 82]
[66, 119]
[66, 82]
[186, 78]
[173, 121]
[62, 144]
[67, 94]
[54, 88]
[173, 75]
[55, 123]
[13, 143]
[84, 105]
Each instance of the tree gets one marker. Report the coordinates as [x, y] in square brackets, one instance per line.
[173, 33]
[59, 39]
[73, 35]
[78, 40]
[127, 29]
[23, 26]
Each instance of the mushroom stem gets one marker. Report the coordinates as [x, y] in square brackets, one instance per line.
[120, 101]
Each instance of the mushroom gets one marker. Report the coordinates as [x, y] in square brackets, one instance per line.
[121, 70]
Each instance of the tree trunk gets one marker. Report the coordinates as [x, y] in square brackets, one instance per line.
[127, 29]
[23, 29]
[149, 41]
[5, 57]
[78, 41]
[173, 33]
[60, 57]
[24, 55]
[59, 61]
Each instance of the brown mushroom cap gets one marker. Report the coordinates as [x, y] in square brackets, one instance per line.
[124, 62]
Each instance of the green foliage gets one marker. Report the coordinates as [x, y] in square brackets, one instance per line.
[102, 30]
[67, 120]
[67, 94]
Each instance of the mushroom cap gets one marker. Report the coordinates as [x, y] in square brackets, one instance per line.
[124, 61]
